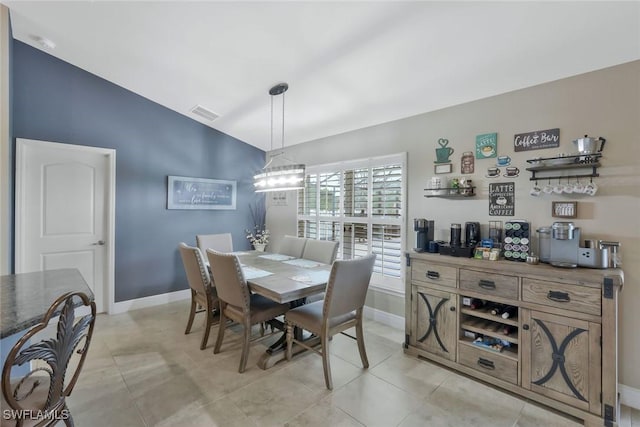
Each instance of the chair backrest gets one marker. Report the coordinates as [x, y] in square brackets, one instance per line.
[347, 286]
[292, 246]
[230, 282]
[195, 267]
[65, 355]
[323, 251]
[217, 242]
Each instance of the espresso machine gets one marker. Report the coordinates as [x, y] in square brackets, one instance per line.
[424, 233]
[565, 242]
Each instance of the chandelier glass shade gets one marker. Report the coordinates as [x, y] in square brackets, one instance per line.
[280, 173]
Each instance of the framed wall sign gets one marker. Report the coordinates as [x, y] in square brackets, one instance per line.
[200, 193]
[564, 209]
[443, 168]
[486, 145]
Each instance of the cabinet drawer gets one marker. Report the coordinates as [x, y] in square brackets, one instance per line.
[490, 284]
[495, 365]
[561, 295]
[427, 272]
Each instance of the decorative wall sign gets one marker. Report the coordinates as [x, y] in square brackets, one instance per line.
[200, 193]
[444, 168]
[502, 199]
[467, 162]
[537, 140]
[443, 153]
[486, 145]
[564, 209]
[279, 198]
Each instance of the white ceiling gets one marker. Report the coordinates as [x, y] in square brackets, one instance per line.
[348, 64]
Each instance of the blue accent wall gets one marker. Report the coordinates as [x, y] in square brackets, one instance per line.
[58, 102]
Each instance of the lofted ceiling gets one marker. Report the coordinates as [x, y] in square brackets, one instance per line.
[348, 64]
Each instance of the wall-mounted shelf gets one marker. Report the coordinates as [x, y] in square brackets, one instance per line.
[572, 164]
[451, 193]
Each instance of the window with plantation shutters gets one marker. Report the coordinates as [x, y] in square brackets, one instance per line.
[360, 204]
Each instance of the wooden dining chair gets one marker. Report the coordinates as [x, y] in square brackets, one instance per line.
[218, 242]
[237, 302]
[292, 246]
[38, 397]
[340, 310]
[324, 251]
[204, 298]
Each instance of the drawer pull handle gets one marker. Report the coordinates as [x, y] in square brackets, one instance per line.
[487, 364]
[433, 274]
[558, 296]
[487, 284]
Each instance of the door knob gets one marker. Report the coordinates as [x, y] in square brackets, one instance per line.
[98, 243]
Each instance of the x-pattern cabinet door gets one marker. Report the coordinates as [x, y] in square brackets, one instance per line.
[562, 359]
[435, 317]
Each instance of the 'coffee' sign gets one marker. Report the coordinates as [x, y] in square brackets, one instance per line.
[502, 199]
[537, 140]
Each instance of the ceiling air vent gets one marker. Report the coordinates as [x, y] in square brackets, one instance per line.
[204, 112]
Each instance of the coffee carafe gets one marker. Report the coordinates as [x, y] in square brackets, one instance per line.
[424, 233]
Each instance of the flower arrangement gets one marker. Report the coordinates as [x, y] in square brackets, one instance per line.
[259, 236]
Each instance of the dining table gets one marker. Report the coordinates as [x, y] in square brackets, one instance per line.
[283, 279]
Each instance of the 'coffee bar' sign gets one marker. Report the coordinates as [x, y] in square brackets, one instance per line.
[537, 140]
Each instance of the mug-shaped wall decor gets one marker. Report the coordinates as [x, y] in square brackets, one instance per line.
[443, 153]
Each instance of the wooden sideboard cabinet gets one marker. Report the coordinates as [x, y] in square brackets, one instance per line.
[556, 345]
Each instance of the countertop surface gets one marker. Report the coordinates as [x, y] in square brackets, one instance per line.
[26, 297]
[587, 276]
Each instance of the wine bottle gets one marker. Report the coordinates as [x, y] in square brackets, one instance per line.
[476, 303]
[507, 329]
[496, 309]
[509, 311]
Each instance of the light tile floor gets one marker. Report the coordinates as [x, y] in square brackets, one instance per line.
[142, 370]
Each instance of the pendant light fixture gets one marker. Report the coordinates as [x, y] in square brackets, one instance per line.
[280, 173]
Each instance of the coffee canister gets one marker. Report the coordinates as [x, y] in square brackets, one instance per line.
[544, 243]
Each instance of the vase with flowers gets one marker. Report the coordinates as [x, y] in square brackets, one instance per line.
[259, 238]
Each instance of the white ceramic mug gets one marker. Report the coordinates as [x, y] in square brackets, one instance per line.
[591, 189]
[558, 188]
[567, 188]
[547, 189]
[535, 190]
[578, 187]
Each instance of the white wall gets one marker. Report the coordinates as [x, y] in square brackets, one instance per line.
[5, 158]
[602, 103]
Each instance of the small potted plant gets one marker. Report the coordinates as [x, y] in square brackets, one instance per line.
[258, 238]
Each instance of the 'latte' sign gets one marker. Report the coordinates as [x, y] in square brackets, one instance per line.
[537, 140]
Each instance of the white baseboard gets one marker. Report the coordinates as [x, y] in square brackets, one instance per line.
[134, 304]
[388, 319]
[629, 396]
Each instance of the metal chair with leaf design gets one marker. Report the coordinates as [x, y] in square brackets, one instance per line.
[38, 398]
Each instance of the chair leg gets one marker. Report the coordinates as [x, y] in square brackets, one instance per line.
[360, 339]
[245, 347]
[289, 340]
[207, 328]
[191, 315]
[324, 339]
[221, 328]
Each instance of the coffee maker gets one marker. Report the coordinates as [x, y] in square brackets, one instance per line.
[424, 233]
[565, 241]
[455, 246]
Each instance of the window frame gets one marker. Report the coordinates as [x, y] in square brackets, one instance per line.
[379, 281]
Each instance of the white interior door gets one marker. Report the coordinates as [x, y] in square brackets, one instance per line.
[64, 212]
